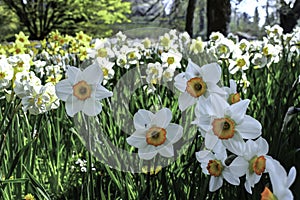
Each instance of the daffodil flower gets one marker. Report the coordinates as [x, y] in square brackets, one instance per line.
[154, 133]
[251, 161]
[6, 73]
[171, 59]
[213, 164]
[232, 96]
[217, 120]
[82, 90]
[196, 82]
[280, 180]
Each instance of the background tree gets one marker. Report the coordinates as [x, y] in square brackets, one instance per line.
[9, 23]
[42, 16]
[289, 15]
[190, 17]
[218, 16]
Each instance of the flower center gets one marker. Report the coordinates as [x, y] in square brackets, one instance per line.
[156, 136]
[131, 55]
[223, 128]
[18, 50]
[268, 195]
[214, 168]
[266, 51]
[223, 49]
[240, 62]
[102, 52]
[105, 71]
[196, 87]
[257, 165]
[170, 60]
[82, 90]
[234, 98]
[243, 46]
[2, 75]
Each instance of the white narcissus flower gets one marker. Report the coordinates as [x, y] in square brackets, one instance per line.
[102, 49]
[20, 62]
[107, 69]
[6, 73]
[196, 82]
[168, 75]
[216, 37]
[23, 82]
[171, 59]
[197, 46]
[217, 120]
[37, 100]
[82, 90]
[251, 161]
[133, 56]
[232, 96]
[154, 72]
[281, 182]
[50, 91]
[214, 164]
[223, 48]
[154, 133]
[259, 60]
[240, 62]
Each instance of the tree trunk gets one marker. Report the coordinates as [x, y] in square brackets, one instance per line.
[218, 16]
[289, 17]
[190, 17]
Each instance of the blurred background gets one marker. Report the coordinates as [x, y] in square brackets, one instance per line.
[103, 18]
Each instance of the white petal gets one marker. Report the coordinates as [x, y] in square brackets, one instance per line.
[233, 85]
[211, 72]
[210, 141]
[92, 107]
[291, 177]
[239, 166]
[250, 128]
[192, 70]
[93, 74]
[166, 151]
[185, 100]
[101, 92]
[203, 107]
[138, 139]
[147, 153]
[203, 123]
[215, 183]
[238, 110]
[73, 105]
[213, 88]
[277, 174]
[174, 132]
[263, 146]
[72, 74]
[180, 82]
[286, 195]
[204, 155]
[236, 144]
[230, 178]
[218, 105]
[248, 187]
[251, 150]
[162, 118]
[142, 119]
[63, 89]
[233, 69]
[220, 150]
